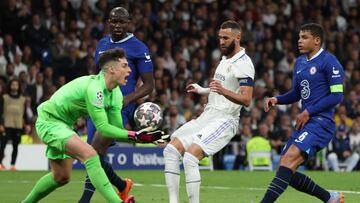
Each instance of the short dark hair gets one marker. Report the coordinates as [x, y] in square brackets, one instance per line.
[315, 30]
[119, 11]
[111, 55]
[230, 24]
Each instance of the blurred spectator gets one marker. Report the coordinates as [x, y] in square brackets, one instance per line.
[10, 48]
[259, 143]
[19, 66]
[340, 151]
[13, 120]
[36, 35]
[3, 62]
[36, 91]
[240, 152]
[355, 140]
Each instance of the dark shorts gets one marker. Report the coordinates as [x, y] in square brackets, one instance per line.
[313, 137]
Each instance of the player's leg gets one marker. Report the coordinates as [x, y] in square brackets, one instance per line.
[181, 139]
[101, 144]
[89, 188]
[211, 138]
[288, 164]
[76, 148]
[59, 176]
[192, 173]
[303, 183]
[172, 155]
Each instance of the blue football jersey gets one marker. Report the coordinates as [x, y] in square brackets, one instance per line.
[137, 54]
[316, 78]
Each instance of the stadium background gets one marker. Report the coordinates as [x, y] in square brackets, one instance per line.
[45, 43]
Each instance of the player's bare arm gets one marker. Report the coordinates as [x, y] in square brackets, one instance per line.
[144, 90]
[243, 97]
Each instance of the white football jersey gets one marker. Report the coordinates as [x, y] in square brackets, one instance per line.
[230, 72]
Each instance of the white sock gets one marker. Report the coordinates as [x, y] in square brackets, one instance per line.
[193, 179]
[172, 172]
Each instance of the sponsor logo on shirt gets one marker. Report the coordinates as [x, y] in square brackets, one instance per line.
[305, 89]
[219, 76]
[336, 73]
[147, 56]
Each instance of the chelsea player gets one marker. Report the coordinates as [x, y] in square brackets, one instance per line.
[99, 97]
[140, 63]
[318, 83]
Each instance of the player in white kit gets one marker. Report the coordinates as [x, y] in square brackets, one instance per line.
[230, 89]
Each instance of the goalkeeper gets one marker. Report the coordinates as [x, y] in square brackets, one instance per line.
[99, 97]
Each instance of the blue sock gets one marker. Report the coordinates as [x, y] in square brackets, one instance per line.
[303, 183]
[278, 185]
[114, 179]
[88, 192]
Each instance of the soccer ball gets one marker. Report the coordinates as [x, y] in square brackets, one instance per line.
[148, 114]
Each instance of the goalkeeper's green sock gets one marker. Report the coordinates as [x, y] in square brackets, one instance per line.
[43, 187]
[99, 179]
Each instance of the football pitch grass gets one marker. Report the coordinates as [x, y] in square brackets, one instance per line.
[216, 187]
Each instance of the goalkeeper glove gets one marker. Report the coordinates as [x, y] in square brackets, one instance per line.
[148, 135]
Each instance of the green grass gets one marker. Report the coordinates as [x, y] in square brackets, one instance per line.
[217, 186]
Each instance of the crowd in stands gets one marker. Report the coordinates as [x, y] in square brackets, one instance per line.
[46, 43]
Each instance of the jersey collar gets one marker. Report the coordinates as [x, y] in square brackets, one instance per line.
[317, 54]
[129, 35]
[103, 83]
[236, 56]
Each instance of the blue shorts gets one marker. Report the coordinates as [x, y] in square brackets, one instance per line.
[127, 114]
[313, 137]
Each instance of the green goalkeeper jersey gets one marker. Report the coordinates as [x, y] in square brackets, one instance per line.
[88, 95]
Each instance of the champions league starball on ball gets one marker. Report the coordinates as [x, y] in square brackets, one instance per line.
[148, 114]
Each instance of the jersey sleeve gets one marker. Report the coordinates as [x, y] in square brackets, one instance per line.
[243, 69]
[114, 113]
[335, 74]
[95, 106]
[144, 62]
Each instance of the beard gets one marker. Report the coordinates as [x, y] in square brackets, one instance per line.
[226, 51]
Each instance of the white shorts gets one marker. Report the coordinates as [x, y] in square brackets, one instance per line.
[212, 131]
